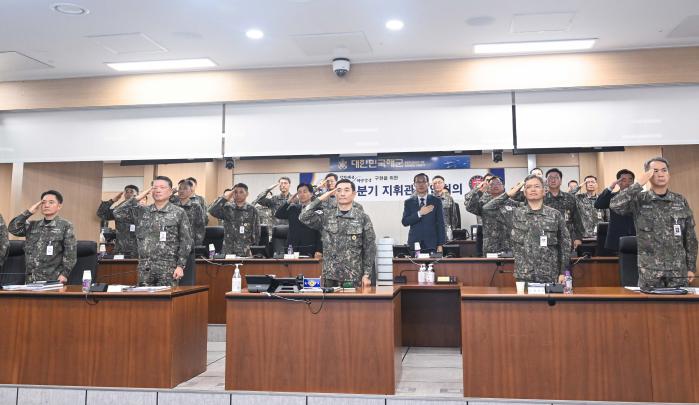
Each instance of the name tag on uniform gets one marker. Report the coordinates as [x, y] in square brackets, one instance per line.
[163, 236]
[678, 229]
[242, 229]
[49, 250]
[599, 215]
[132, 228]
[567, 215]
[543, 241]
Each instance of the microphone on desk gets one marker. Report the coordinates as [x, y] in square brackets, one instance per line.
[666, 290]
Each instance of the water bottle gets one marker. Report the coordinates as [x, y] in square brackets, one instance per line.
[429, 276]
[568, 287]
[290, 250]
[237, 282]
[421, 275]
[102, 250]
[417, 249]
[87, 280]
[212, 250]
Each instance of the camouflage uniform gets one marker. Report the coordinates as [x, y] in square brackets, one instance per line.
[496, 222]
[533, 262]
[234, 241]
[663, 256]
[273, 203]
[158, 260]
[451, 214]
[591, 216]
[4, 241]
[567, 205]
[349, 241]
[266, 216]
[41, 234]
[195, 214]
[125, 234]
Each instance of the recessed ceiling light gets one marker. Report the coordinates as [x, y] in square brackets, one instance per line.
[534, 47]
[254, 33]
[69, 9]
[176, 64]
[394, 25]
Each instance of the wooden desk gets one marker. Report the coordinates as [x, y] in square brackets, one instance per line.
[352, 345]
[217, 274]
[599, 344]
[480, 271]
[467, 247]
[147, 340]
[431, 315]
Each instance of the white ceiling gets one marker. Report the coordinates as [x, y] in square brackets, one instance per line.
[75, 46]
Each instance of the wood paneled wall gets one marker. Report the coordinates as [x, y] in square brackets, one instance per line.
[620, 68]
[609, 163]
[81, 186]
[684, 172]
[5, 194]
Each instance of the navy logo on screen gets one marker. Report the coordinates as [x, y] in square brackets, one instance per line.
[474, 181]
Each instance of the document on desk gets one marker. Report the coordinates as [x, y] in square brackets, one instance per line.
[636, 289]
[150, 288]
[33, 287]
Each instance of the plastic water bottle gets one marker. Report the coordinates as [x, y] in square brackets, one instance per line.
[87, 280]
[102, 250]
[417, 249]
[429, 276]
[212, 250]
[421, 275]
[290, 250]
[237, 282]
[568, 287]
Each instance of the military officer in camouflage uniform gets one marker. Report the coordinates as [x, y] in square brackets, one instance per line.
[496, 222]
[163, 233]
[667, 242]
[349, 241]
[241, 225]
[276, 201]
[126, 229]
[451, 209]
[50, 248]
[195, 212]
[540, 239]
[566, 204]
[4, 241]
[586, 204]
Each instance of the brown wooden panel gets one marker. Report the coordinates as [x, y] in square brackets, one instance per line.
[218, 274]
[275, 345]
[118, 272]
[673, 351]
[189, 336]
[430, 317]
[59, 338]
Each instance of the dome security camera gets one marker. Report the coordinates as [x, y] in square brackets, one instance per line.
[341, 66]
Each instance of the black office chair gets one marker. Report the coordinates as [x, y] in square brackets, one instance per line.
[479, 239]
[264, 236]
[87, 260]
[214, 234]
[602, 228]
[13, 271]
[279, 234]
[190, 271]
[628, 261]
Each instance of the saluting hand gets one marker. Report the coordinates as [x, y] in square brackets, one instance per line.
[327, 195]
[34, 207]
[426, 209]
[291, 199]
[118, 196]
[144, 193]
[514, 190]
[228, 195]
[482, 186]
[645, 177]
[613, 185]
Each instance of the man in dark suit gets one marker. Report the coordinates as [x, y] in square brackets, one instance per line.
[619, 225]
[423, 213]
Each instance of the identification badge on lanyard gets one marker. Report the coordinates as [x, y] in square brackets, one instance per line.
[163, 236]
[567, 216]
[599, 214]
[543, 240]
[49, 250]
[132, 228]
[242, 229]
[677, 228]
